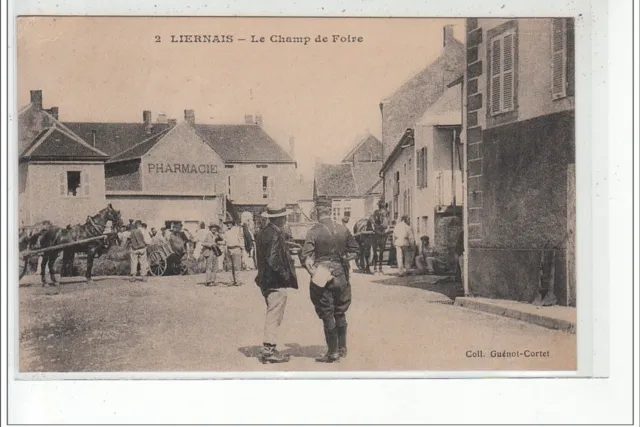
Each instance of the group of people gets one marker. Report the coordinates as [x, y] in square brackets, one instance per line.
[236, 243]
[427, 259]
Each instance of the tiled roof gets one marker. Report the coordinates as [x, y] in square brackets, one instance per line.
[114, 138]
[335, 180]
[409, 102]
[56, 142]
[242, 143]
[366, 175]
[140, 149]
[368, 143]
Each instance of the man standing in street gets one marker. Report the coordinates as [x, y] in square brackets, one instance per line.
[235, 242]
[210, 251]
[329, 247]
[276, 273]
[403, 241]
[139, 240]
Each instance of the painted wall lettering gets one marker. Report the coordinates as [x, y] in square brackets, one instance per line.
[182, 168]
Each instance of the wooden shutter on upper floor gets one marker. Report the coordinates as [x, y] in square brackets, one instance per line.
[85, 183]
[63, 183]
[558, 58]
[496, 54]
[419, 168]
[508, 72]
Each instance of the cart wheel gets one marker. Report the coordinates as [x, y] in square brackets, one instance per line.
[24, 266]
[157, 264]
[182, 269]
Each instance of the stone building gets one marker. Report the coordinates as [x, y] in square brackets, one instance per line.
[520, 134]
[60, 176]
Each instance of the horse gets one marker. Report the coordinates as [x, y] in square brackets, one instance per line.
[364, 235]
[380, 220]
[93, 227]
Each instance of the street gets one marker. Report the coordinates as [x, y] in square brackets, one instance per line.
[177, 324]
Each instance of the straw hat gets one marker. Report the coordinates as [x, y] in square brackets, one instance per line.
[276, 210]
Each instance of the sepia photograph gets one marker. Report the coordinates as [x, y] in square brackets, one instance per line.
[262, 194]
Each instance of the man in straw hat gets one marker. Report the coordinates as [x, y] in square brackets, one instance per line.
[329, 247]
[276, 273]
[208, 240]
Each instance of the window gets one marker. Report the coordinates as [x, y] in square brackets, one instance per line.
[268, 187]
[421, 168]
[261, 166]
[562, 57]
[347, 212]
[395, 206]
[502, 52]
[396, 184]
[229, 185]
[265, 187]
[74, 184]
[336, 214]
[410, 163]
[229, 166]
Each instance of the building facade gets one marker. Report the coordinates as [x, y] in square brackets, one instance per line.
[61, 177]
[421, 124]
[520, 143]
[354, 185]
[159, 172]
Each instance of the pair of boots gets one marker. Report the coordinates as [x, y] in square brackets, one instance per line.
[336, 345]
[271, 355]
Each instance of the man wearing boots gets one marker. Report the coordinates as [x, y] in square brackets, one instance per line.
[276, 273]
[328, 248]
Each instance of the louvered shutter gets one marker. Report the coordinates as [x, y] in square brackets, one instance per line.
[86, 185]
[271, 187]
[507, 72]
[496, 50]
[63, 184]
[425, 179]
[558, 59]
[419, 169]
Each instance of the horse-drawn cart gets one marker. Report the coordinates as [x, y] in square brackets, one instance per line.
[162, 258]
[27, 256]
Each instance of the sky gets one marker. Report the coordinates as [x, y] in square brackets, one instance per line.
[323, 94]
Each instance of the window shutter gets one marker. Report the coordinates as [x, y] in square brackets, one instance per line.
[63, 184]
[571, 54]
[85, 184]
[495, 75]
[507, 70]
[419, 169]
[271, 181]
[425, 181]
[558, 59]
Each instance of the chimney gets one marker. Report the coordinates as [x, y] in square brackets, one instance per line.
[54, 112]
[248, 119]
[93, 137]
[36, 98]
[259, 119]
[292, 146]
[172, 122]
[447, 38]
[161, 119]
[146, 117]
[190, 117]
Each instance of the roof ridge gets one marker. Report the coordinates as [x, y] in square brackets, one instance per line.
[77, 138]
[155, 135]
[41, 137]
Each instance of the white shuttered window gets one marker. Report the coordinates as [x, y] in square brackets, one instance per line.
[502, 71]
[558, 58]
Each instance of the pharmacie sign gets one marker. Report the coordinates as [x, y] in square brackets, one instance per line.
[191, 168]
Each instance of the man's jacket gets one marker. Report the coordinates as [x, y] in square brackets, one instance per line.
[275, 265]
[329, 243]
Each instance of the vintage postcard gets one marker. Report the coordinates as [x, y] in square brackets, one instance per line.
[252, 195]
